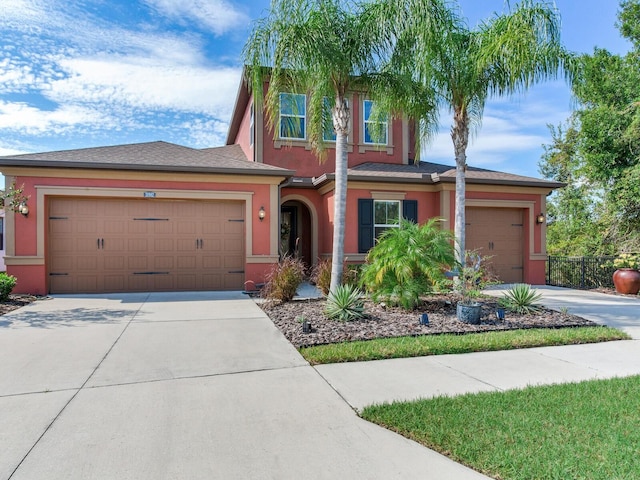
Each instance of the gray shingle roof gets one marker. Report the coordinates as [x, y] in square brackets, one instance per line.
[151, 156]
[426, 172]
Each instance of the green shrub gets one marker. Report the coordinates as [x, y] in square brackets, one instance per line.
[521, 298]
[408, 262]
[7, 282]
[345, 304]
[284, 279]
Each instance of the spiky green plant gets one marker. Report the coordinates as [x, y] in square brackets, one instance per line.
[345, 304]
[522, 299]
[408, 262]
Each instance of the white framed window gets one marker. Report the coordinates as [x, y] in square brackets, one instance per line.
[371, 126]
[328, 132]
[293, 116]
[386, 214]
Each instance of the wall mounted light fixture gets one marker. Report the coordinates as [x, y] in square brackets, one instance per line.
[23, 208]
[262, 213]
[540, 218]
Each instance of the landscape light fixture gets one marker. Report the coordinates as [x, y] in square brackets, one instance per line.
[23, 208]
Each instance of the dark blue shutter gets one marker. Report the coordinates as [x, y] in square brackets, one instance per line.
[365, 224]
[410, 210]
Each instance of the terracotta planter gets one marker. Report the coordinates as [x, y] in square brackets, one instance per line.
[627, 280]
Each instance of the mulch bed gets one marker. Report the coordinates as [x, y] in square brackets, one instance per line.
[16, 301]
[385, 321]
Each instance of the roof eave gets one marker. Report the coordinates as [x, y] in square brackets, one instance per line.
[148, 168]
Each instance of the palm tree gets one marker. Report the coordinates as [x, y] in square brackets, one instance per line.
[324, 48]
[465, 66]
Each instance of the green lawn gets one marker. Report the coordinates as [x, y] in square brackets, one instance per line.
[588, 430]
[401, 347]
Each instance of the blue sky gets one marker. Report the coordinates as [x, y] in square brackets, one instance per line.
[83, 73]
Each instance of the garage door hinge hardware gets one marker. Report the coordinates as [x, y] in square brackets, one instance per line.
[199, 243]
[235, 271]
[58, 218]
[100, 243]
[151, 273]
[241, 220]
[57, 274]
[153, 219]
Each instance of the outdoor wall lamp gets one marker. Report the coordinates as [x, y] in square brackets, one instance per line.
[540, 218]
[23, 208]
[262, 213]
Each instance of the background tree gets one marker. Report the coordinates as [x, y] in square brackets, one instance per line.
[605, 139]
[465, 66]
[325, 49]
[573, 212]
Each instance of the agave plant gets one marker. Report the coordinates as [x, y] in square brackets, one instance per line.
[345, 304]
[522, 299]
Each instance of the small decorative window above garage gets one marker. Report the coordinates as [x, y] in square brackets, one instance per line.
[293, 116]
[376, 216]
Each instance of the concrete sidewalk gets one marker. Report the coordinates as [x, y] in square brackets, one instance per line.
[179, 386]
[366, 383]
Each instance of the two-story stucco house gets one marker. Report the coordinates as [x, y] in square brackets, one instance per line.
[164, 217]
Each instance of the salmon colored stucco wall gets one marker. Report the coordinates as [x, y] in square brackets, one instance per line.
[32, 278]
[243, 138]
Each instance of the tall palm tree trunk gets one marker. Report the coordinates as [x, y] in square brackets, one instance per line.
[340, 114]
[460, 137]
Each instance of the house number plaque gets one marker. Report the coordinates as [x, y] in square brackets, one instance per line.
[149, 194]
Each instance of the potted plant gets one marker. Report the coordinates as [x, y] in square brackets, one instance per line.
[470, 282]
[626, 278]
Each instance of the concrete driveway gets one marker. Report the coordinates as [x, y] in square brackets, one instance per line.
[179, 386]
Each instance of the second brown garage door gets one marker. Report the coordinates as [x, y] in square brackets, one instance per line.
[125, 245]
[498, 233]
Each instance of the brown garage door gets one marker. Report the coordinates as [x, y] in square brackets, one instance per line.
[498, 232]
[113, 245]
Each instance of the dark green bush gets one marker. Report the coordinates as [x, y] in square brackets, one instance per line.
[7, 283]
[408, 262]
[284, 279]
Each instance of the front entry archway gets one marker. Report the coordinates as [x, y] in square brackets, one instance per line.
[296, 232]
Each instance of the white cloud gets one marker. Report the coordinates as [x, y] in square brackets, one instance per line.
[217, 15]
[20, 117]
[147, 83]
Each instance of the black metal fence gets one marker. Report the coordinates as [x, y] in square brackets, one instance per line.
[580, 272]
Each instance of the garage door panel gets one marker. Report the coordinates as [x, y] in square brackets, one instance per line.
[498, 234]
[188, 242]
[138, 227]
[114, 283]
[212, 262]
[138, 245]
[163, 263]
[114, 262]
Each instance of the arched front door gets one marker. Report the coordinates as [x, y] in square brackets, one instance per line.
[295, 231]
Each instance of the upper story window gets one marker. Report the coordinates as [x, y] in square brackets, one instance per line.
[293, 116]
[375, 129]
[328, 132]
[386, 214]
